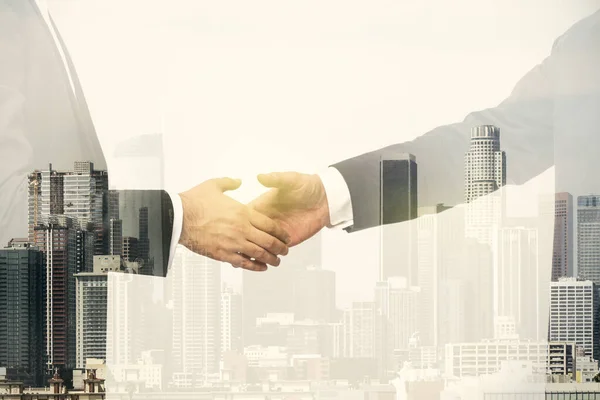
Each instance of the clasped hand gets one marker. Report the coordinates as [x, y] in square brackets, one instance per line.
[253, 236]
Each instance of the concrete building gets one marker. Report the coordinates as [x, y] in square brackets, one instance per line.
[574, 306]
[92, 305]
[487, 357]
[93, 390]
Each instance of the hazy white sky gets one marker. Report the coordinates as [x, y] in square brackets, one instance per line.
[242, 87]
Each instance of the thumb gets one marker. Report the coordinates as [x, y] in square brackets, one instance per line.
[278, 180]
[226, 184]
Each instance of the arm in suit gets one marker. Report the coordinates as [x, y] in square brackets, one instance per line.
[347, 195]
[44, 119]
[525, 122]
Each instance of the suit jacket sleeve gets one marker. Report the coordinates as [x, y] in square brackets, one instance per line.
[525, 122]
[150, 213]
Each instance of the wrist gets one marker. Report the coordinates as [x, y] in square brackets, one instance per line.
[189, 214]
[323, 203]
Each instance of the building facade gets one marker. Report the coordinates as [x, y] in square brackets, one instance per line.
[588, 238]
[21, 310]
[574, 306]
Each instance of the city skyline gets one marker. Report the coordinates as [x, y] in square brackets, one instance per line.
[402, 323]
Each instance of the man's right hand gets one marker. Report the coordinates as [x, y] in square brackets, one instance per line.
[217, 226]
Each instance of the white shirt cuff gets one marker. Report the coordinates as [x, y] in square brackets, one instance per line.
[177, 226]
[338, 199]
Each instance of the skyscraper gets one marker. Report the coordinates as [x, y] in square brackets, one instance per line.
[398, 202]
[34, 199]
[115, 237]
[52, 192]
[22, 310]
[485, 173]
[91, 299]
[80, 194]
[395, 320]
[84, 249]
[518, 280]
[588, 238]
[485, 163]
[359, 330]
[574, 306]
[57, 240]
[562, 252]
[130, 249]
[431, 231]
[83, 201]
[196, 291]
[231, 320]
[143, 240]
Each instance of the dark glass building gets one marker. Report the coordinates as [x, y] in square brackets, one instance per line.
[22, 310]
[398, 202]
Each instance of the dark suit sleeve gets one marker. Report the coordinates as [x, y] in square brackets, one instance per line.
[146, 217]
[525, 121]
[15, 162]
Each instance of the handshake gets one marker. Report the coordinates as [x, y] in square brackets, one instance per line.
[253, 236]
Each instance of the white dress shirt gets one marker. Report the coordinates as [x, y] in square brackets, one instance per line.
[338, 194]
[338, 199]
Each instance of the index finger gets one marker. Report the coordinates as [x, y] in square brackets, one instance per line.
[267, 225]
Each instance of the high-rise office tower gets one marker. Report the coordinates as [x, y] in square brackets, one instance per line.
[485, 163]
[130, 249]
[485, 173]
[91, 299]
[359, 330]
[113, 204]
[196, 291]
[84, 250]
[115, 237]
[57, 240]
[453, 311]
[34, 199]
[398, 202]
[562, 252]
[22, 310]
[52, 192]
[84, 199]
[80, 194]
[100, 212]
[574, 307]
[231, 320]
[395, 321]
[143, 240]
[518, 281]
[432, 230]
[588, 238]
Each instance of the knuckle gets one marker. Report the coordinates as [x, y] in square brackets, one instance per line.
[261, 254]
